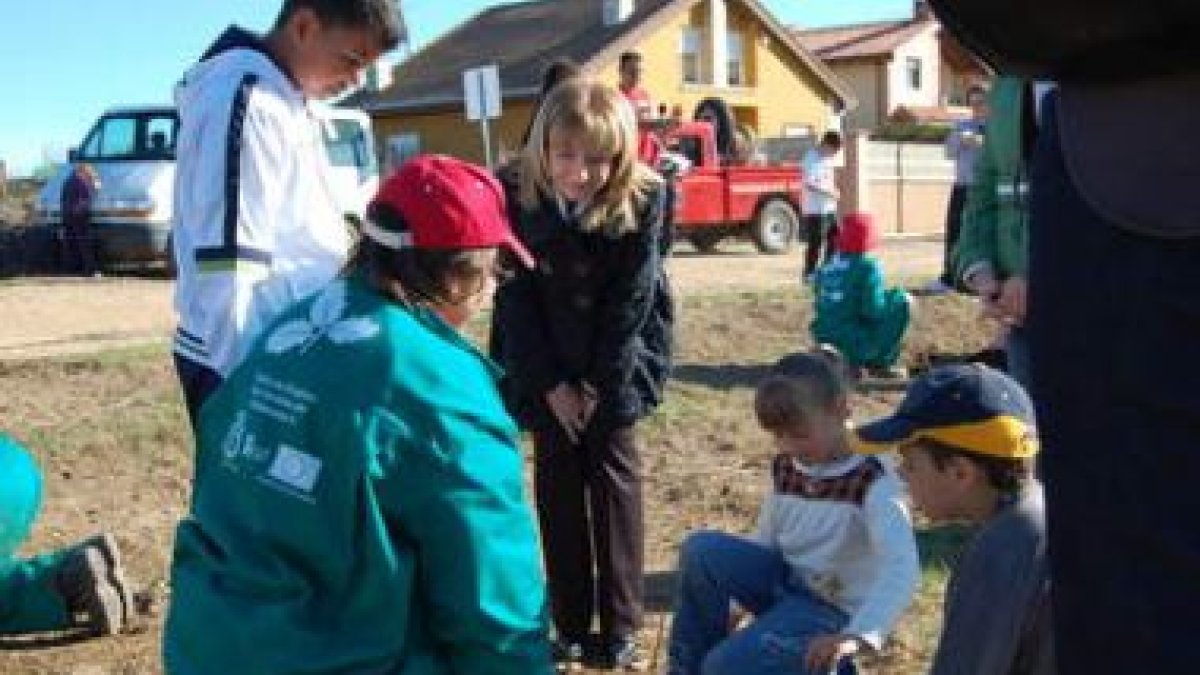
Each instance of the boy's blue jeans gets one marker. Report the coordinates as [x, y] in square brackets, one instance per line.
[715, 568]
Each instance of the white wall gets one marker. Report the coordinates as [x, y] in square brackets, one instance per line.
[925, 47]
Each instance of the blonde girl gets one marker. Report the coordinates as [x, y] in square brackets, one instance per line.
[586, 347]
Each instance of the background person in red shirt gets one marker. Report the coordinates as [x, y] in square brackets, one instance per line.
[649, 145]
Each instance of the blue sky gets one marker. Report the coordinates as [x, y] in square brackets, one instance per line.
[67, 60]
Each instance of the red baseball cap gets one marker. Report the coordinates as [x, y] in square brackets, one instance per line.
[858, 233]
[445, 203]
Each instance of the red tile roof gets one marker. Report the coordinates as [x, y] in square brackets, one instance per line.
[865, 40]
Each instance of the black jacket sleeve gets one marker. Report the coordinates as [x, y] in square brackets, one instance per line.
[625, 308]
[519, 335]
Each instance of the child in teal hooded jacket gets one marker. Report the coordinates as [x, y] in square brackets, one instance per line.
[855, 311]
[77, 587]
[358, 503]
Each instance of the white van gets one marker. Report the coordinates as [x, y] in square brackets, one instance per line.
[133, 152]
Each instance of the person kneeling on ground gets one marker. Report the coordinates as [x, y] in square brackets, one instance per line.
[80, 587]
[855, 312]
[967, 441]
[832, 563]
[358, 504]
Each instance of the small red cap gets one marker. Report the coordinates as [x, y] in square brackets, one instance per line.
[447, 204]
[858, 233]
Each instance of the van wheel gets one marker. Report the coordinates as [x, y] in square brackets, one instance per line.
[705, 242]
[775, 226]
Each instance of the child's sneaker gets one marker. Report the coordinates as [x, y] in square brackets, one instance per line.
[626, 654]
[92, 584]
[886, 373]
[567, 656]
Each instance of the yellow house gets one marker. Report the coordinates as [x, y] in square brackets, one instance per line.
[692, 50]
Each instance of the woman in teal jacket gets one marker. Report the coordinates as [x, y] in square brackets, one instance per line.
[855, 312]
[358, 503]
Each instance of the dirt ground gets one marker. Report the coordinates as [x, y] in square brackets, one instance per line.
[63, 315]
[109, 431]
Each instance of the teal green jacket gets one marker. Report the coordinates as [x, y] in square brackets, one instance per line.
[358, 507]
[995, 220]
[857, 313]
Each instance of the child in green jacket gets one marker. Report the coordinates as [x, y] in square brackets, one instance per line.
[80, 587]
[855, 312]
[358, 504]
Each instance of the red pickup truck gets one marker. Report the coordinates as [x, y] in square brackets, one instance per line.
[718, 197]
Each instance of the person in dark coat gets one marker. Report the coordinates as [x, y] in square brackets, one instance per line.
[1113, 311]
[80, 253]
[585, 346]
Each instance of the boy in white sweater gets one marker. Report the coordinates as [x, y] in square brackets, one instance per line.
[832, 563]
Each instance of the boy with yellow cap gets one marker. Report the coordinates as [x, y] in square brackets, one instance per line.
[967, 440]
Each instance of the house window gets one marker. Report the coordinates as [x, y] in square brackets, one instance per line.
[736, 46]
[690, 50]
[401, 148]
[912, 67]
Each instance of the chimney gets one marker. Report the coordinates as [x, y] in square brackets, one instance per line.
[617, 11]
[922, 11]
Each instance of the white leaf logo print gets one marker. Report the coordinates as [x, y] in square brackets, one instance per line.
[353, 330]
[324, 320]
[289, 336]
[329, 306]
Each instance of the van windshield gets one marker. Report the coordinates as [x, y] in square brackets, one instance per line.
[349, 146]
[132, 136]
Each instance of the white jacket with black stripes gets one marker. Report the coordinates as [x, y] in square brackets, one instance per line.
[256, 225]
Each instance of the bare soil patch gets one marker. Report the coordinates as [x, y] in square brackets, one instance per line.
[48, 316]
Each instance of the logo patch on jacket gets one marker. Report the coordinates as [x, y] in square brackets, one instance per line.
[295, 468]
[324, 321]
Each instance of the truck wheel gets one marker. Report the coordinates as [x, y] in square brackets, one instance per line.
[775, 226]
[705, 242]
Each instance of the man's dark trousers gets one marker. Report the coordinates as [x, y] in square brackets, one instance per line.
[198, 383]
[1115, 320]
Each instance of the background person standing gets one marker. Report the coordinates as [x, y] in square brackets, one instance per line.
[964, 145]
[649, 146]
[820, 204]
[80, 247]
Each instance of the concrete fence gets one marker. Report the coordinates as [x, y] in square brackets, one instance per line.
[905, 185]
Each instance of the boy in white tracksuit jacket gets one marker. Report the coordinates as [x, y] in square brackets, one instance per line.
[256, 223]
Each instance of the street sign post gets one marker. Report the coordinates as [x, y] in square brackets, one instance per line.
[481, 87]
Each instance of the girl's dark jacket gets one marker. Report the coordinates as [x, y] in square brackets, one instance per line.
[597, 310]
